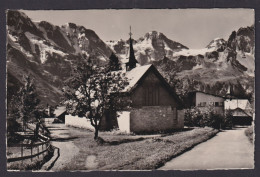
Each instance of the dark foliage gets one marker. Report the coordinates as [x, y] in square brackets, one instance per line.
[197, 117]
[27, 98]
[114, 64]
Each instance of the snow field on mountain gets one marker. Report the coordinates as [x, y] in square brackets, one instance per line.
[43, 47]
[248, 62]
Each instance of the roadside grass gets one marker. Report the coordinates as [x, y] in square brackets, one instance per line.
[142, 154]
[27, 164]
[249, 132]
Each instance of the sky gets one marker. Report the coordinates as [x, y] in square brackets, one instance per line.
[194, 28]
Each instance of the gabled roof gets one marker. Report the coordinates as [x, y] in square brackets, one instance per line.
[197, 91]
[137, 74]
[237, 103]
[59, 110]
[238, 112]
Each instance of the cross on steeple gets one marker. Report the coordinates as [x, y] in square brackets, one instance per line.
[132, 61]
[130, 34]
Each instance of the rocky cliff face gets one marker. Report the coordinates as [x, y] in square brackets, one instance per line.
[47, 52]
[243, 40]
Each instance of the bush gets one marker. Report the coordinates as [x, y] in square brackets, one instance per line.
[249, 132]
[207, 117]
[13, 125]
[13, 138]
[188, 118]
[193, 117]
[216, 120]
[227, 121]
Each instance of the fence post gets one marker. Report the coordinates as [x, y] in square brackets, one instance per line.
[42, 150]
[31, 153]
[38, 151]
[22, 152]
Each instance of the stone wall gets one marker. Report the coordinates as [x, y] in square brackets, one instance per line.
[155, 119]
[147, 119]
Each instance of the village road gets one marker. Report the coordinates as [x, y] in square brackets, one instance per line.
[62, 139]
[229, 149]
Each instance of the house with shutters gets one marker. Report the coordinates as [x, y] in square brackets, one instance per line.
[203, 100]
[240, 109]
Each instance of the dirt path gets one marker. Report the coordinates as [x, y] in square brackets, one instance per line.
[69, 141]
[230, 149]
[61, 138]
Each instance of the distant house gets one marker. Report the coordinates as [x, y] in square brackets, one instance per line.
[241, 111]
[60, 113]
[238, 103]
[203, 100]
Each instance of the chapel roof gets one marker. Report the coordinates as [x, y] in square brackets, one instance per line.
[134, 75]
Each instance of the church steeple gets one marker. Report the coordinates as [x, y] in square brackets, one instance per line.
[132, 61]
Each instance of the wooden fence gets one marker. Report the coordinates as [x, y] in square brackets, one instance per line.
[42, 147]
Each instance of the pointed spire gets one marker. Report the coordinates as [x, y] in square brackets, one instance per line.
[130, 34]
[132, 61]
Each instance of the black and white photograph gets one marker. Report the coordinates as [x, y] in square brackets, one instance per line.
[130, 89]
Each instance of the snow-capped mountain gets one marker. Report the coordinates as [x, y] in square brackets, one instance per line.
[153, 46]
[47, 52]
[216, 68]
[218, 44]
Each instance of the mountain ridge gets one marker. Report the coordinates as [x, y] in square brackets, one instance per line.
[48, 52]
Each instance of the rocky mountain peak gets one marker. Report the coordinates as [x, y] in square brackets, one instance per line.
[243, 39]
[18, 23]
[72, 25]
[218, 44]
[152, 35]
[46, 25]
